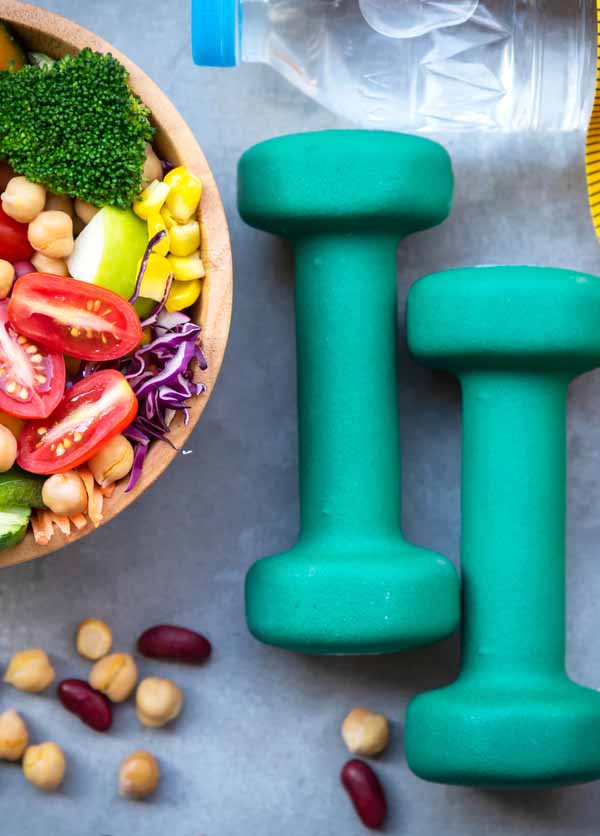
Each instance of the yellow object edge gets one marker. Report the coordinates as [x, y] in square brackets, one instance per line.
[592, 145]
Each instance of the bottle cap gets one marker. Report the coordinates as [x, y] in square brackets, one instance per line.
[216, 27]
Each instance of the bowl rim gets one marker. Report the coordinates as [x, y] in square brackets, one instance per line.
[214, 309]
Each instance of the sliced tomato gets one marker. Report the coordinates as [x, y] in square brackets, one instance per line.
[92, 411]
[74, 317]
[32, 379]
[14, 244]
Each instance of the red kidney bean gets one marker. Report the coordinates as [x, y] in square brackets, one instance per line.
[166, 641]
[365, 791]
[92, 707]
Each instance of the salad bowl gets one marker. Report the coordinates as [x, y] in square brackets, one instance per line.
[45, 32]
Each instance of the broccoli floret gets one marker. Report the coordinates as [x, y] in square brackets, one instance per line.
[76, 127]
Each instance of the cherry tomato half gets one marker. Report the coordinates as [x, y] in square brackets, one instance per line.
[32, 380]
[91, 412]
[74, 317]
[14, 244]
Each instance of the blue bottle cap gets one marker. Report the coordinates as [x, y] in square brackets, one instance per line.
[216, 28]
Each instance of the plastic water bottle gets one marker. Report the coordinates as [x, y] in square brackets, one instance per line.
[418, 65]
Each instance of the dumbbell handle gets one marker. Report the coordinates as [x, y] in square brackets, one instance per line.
[513, 523]
[348, 414]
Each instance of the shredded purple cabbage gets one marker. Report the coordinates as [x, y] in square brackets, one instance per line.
[156, 239]
[161, 374]
[167, 166]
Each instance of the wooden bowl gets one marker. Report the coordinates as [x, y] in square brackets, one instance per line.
[43, 31]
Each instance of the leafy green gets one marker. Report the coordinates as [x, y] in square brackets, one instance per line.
[76, 127]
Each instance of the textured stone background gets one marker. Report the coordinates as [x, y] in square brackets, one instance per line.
[257, 748]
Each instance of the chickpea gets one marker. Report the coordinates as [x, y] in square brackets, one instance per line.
[44, 264]
[44, 766]
[14, 736]
[365, 733]
[113, 461]
[23, 201]
[85, 211]
[8, 449]
[139, 775]
[158, 701]
[94, 639]
[115, 676]
[30, 670]
[152, 167]
[59, 203]
[51, 234]
[7, 277]
[65, 493]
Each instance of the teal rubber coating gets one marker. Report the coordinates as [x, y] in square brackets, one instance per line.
[345, 199]
[516, 337]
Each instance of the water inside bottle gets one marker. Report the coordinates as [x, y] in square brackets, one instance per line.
[412, 18]
[510, 65]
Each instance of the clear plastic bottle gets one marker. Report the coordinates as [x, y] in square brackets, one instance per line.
[418, 65]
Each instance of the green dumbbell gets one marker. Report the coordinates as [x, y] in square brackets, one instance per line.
[345, 199]
[516, 337]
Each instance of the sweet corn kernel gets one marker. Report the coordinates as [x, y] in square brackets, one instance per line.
[185, 193]
[187, 268]
[151, 200]
[167, 217]
[155, 225]
[183, 294]
[185, 238]
[155, 278]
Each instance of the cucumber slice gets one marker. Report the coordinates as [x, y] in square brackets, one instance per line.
[17, 487]
[13, 526]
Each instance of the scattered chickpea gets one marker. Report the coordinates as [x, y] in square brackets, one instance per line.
[94, 639]
[365, 733]
[30, 670]
[115, 676]
[59, 203]
[85, 211]
[7, 277]
[13, 736]
[45, 264]
[152, 167]
[51, 234]
[44, 766]
[23, 201]
[64, 493]
[139, 775]
[113, 461]
[158, 701]
[8, 449]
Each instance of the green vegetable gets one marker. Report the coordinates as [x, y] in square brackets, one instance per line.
[40, 59]
[76, 127]
[17, 487]
[13, 526]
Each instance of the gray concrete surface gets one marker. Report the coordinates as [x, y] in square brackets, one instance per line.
[257, 748]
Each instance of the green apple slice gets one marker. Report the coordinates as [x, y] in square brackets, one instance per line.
[108, 251]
